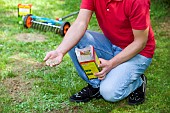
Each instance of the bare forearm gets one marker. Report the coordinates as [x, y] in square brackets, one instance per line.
[139, 43]
[72, 37]
[126, 54]
[75, 32]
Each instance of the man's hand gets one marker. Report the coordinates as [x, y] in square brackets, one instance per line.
[106, 66]
[53, 58]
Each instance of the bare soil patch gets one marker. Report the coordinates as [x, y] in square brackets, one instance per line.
[20, 63]
[30, 37]
[164, 27]
[19, 87]
[74, 109]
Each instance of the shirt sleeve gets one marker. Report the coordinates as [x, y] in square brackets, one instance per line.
[87, 4]
[140, 15]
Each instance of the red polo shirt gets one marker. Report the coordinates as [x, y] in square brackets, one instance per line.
[117, 18]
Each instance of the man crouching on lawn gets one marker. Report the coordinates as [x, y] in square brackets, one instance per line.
[125, 49]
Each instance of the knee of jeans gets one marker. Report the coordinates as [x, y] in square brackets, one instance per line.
[86, 40]
[111, 94]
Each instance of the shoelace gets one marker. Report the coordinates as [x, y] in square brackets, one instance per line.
[134, 96]
[83, 91]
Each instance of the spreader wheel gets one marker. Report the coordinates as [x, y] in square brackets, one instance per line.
[64, 27]
[28, 21]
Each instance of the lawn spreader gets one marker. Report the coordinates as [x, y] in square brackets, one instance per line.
[45, 24]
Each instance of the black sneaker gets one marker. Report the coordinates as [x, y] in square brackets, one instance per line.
[86, 94]
[138, 96]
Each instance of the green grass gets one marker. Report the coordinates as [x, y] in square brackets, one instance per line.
[27, 86]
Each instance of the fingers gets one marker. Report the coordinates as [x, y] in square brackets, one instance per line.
[101, 78]
[52, 62]
[101, 75]
[47, 56]
[53, 58]
[101, 63]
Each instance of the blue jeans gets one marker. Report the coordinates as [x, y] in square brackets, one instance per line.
[121, 80]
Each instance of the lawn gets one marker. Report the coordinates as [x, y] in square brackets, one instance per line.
[28, 86]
